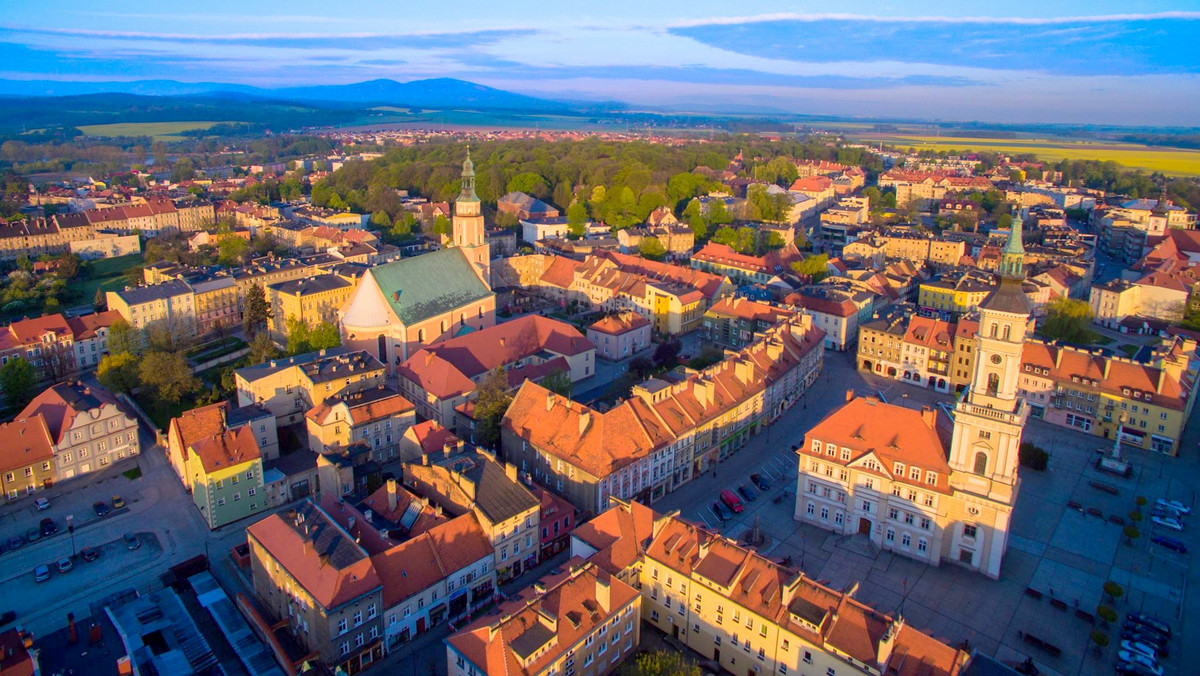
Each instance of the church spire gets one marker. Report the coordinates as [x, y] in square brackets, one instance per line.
[468, 180]
[1012, 259]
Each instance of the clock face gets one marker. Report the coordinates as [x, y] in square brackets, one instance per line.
[996, 359]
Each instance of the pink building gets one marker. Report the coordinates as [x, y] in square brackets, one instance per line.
[620, 336]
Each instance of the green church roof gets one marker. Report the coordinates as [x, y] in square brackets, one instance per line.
[428, 285]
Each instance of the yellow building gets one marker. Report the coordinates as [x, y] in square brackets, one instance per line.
[290, 387]
[377, 417]
[311, 300]
[171, 302]
[957, 293]
[216, 302]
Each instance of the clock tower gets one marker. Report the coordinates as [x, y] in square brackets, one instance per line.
[988, 421]
[469, 233]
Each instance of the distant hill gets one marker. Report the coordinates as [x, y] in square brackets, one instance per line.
[433, 93]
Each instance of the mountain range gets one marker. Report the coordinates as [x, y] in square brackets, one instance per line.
[432, 93]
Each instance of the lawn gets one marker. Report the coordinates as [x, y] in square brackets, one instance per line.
[159, 130]
[1175, 161]
[107, 274]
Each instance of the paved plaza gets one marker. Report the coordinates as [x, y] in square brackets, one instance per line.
[1058, 559]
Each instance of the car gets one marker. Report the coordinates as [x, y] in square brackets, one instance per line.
[41, 573]
[48, 527]
[89, 553]
[1164, 514]
[118, 502]
[748, 493]
[100, 507]
[33, 534]
[1137, 669]
[1175, 505]
[132, 541]
[1167, 522]
[1170, 543]
[1137, 647]
[722, 513]
[15, 542]
[760, 481]
[732, 501]
[64, 564]
[1153, 623]
[1136, 658]
[42, 504]
[7, 616]
[1141, 634]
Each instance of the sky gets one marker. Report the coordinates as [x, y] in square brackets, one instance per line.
[1130, 62]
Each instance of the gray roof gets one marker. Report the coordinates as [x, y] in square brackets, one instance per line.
[428, 285]
[307, 285]
[1009, 297]
[253, 373]
[144, 294]
[499, 497]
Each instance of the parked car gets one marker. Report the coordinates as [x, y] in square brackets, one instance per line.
[719, 509]
[1167, 522]
[118, 502]
[132, 541]
[7, 616]
[48, 527]
[1138, 647]
[1170, 543]
[89, 553]
[64, 564]
[760, 481]
[1136, 658]
[15, 542]
[1175, 505]
[1148, 621]
[41, 573]
[1137, 669]
[732, 501]
[1167, 511]
[748, 493]
[33, 534]
[42, 504]
[1139, 634]
[101, 508]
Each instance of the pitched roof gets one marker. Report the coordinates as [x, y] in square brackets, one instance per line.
[60, 404]
[1112, 375]
[230, 448]
[23, 442]
[428, 285]
[620, 323]
[619, 535]
[431, 436]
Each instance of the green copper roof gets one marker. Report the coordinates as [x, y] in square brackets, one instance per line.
[468, 181]
[429, 285]
[1012, 259]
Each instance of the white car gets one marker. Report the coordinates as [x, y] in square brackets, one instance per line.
[1137, 658]
[1139, 648]
[1167, 522]
[1174, 505]
[42, 504]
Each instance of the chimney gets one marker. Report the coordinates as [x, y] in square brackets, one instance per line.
[391, 495]
[849, 395]
[929, 416]
[396, 296]
[603, 591]
[448, 449]
[549, 402]
[585, 419]
[350, 524]
[510, 470]
[1107, 367]
[1058, 352]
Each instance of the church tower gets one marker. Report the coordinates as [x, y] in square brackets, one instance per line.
[988, 420]
[469, 233]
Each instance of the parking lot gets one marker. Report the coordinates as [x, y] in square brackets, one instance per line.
[1057, 562]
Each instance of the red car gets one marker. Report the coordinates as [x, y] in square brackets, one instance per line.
[732, 501]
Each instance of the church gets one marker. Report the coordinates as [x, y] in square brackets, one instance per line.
[919, 483]
[402, 306]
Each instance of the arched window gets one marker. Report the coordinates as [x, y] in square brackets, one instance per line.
[993, 384]
[480, 311]
[462, 319]
[420, 335]
[1007, 331]
[443, 326]
[981, 463]
[994, 329]
[381, 343]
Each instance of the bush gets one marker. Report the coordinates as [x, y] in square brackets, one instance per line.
[1100, 638]
[1113, 589]
[1034, 457]
[1135, 516]
[1106, 613]
[1141, 501]
[1131, 532]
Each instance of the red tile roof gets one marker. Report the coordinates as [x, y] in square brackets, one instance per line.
[23, 442]
[228, 449]
[1065, 363]
[431, 437]
[617, 324]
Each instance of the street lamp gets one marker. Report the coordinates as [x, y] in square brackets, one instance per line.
[71, 530]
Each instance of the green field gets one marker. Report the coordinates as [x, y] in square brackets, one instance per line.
[168, 131]
[107, 274]
[1175, 161]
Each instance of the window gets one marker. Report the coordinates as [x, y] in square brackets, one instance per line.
[906, 540]
[824, 513]
[922, 545]
[969, 531]
[811, 508]
[899, 469]
[808, 657]
[981, 461]
[345, 647]
[908, 519]
[891, 535]
[914, 473]
[924, 523]
[830, 672]
[342, 626]
[931, 478]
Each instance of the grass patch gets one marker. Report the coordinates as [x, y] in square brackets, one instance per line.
[161, 411]
[164, 130]
[132, 474]
[1174, 161]
[1129, 350]
[216, 349]
[106, 274]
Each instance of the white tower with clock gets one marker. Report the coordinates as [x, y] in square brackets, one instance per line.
[988, 421]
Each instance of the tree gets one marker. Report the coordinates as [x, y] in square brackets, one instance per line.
[1100, 639]
[232, 250]
[254, 317]
[814, 267]
[577, 218]
[661, 663]
[490, 406]
[124, 338]
[1131, 533]
[1114, 590]
[324, 336]
[100, 301]
[530, 184]
[380, 220]
[718, 214]
[168, 375]
[725, 235]
[1106, 613]
[68, 266]
[262, 349]
[297, 336]
[667, 353]
[18, 382]
[118, 372]
[441, 226]
[694, 216]
[652, 248]
[183, 170]
[1067, 319]
[558, 381]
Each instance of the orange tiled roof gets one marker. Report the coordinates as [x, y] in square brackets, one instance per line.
[230, 448]
[1065, 363]
[23, 442]
[615, 325]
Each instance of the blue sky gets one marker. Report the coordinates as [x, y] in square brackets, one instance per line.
[1131, 62]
